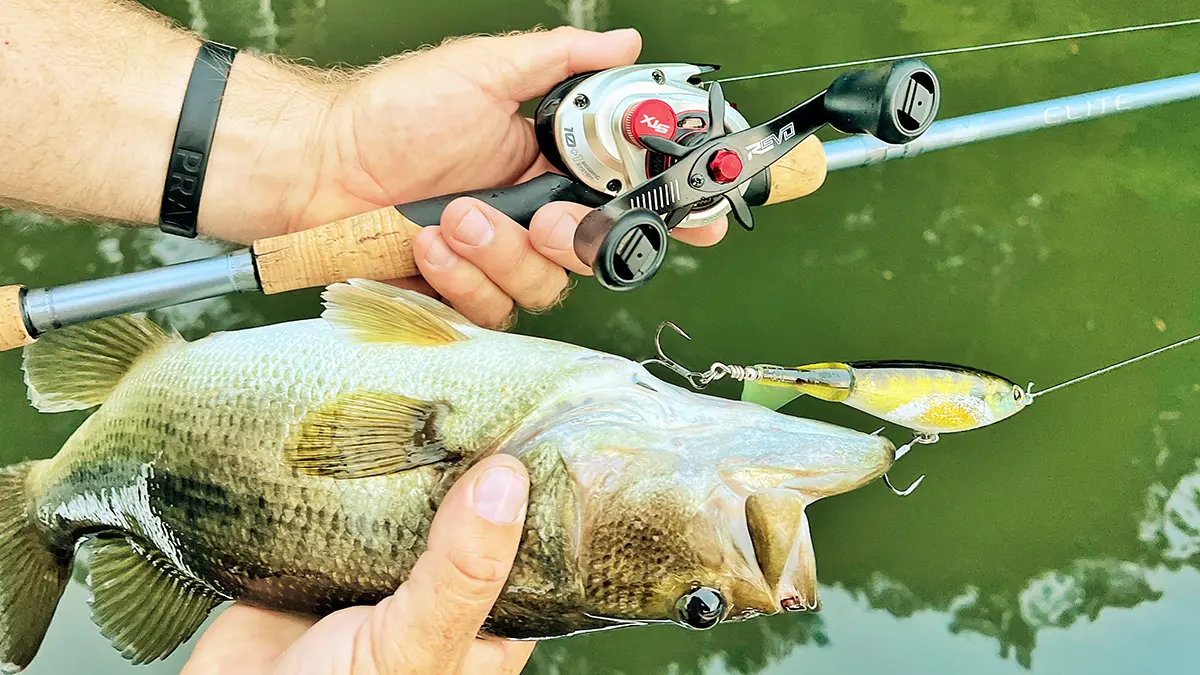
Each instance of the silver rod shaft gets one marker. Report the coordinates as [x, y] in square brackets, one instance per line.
[61, 306]
[863, 150]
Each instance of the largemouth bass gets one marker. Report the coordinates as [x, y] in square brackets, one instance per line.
[298, 466]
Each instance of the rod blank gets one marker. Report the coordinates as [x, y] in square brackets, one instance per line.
[50, 308]
[856, 151]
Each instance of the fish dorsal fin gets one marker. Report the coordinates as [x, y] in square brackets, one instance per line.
[419, 299]
[141, 602]
[772, 396]
[367, 434]
[783, 546]
[79, 367]
[373, 312]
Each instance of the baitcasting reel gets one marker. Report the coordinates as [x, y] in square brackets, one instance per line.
[654, 150]
[601, 128]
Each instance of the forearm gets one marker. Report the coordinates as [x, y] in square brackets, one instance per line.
[90, 94]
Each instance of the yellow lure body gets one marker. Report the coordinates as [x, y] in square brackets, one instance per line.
[929, 398]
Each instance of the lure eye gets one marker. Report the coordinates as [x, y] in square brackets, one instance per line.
[1017, 393]
[700, 608]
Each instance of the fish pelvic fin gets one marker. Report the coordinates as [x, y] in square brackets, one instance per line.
[78, 367]
[783, 546]
[370, 311]
[32, 577]
[142, 603]
[366, 434]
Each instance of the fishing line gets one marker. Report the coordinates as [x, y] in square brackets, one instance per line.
[1113, 367]
[964, 50]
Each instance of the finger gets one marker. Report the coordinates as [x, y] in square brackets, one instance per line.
[328, 646]
[500, 247]
[431, 622]
[415, 283]
[458, 281]
[527, 65]
[703, 236]
[552, 234]
[249, 637]
[498, 657]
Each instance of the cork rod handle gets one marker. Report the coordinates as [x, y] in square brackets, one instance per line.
[13, 333]
[375, 245]
[798, 173]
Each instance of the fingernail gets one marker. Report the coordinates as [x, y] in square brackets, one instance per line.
[474, 229]
[562, 237]
[621, 31]
[501, 495]
[439, 254]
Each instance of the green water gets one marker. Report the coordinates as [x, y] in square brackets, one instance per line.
[1066, 539]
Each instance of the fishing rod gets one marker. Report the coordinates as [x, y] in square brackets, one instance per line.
[688, 159]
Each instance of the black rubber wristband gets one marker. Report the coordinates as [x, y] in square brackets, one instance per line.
[193, 139]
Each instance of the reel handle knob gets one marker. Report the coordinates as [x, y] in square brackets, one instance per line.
[895, 102]
[624, 253]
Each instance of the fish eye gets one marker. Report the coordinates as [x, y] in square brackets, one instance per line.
[700, 608]
[1017, 393]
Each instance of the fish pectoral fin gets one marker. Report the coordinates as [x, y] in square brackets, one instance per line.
[367, 434]
[783, 546]
[141, 601]
[767, 395]
[78, 367]
[370, 311]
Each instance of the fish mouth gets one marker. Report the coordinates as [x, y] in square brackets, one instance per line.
[771, 533]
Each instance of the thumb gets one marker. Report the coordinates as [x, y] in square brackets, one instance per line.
[432, 620]
[528, 65]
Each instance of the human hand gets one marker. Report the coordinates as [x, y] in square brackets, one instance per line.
[428, 626]
[447, 120]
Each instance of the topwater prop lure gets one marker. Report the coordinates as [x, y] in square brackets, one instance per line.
[647, 145]
[927, 398]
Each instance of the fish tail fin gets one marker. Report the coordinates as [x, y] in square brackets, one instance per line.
[78, 367]
[32, 576]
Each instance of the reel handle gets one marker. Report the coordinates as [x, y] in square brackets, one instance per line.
[374, 245]
[624, 252]
[13, 331]
[895, 102]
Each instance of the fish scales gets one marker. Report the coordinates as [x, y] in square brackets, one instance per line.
[227, 455]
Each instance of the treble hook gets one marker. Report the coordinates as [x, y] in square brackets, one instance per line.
[905, 492]
[697, 380]
[919, 438]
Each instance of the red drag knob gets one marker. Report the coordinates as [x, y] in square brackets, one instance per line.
[652, 117]
[725, 166]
